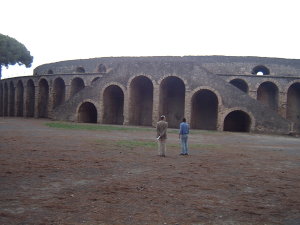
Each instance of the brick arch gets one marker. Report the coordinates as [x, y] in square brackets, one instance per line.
[205, 103]
[30, 98]
[77, 84]
[268, 94]
[58, 91]
[172, 94]
[113, 96]
[293, 105]
[237, 122]
[87, 111]
[43, 97]
[141, 93]
[240, 83]
[187, 87]
[19, 98]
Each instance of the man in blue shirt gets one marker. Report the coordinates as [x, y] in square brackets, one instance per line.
[183, 136]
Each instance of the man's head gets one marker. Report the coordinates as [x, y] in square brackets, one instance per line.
[183, 120]
[162, 117]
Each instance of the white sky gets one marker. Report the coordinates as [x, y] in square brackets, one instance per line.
[56, 30]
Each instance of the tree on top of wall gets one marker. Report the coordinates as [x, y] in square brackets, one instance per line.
[12, 52]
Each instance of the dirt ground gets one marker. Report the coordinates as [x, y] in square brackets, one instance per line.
[58, 176]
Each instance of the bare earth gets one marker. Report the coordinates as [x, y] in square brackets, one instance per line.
[59, 176]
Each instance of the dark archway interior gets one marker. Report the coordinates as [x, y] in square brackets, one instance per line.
[260, 70]
[293, 106]
[240, 84]
[1, 99]
[101, 68]
[80, 70]
[172, 100]
[237, 121]
[141, 101]
[11, 99]
[5, 100]
[87, 113]
[43, 99]
[30, 95]
[59, 92]
[267, 93]
[20, 98]
[204, 110]
[77, 84]
[113, 98]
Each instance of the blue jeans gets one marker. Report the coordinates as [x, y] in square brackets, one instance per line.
[184, 144]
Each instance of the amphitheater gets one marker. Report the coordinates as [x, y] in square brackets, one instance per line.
[224, 93]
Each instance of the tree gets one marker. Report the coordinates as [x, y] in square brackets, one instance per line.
[12, 52]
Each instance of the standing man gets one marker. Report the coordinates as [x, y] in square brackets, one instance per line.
[184, 131]
[161, 128]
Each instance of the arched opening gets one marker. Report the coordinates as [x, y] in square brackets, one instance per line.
[237, 121]
[20, 98]
[77, 84]
[5, 100]
[172, 100]
[95, 80]
[87, 113]
[101, 68]
[11, 99]
[293, 105]
[240, 84]
[141, 101]
[59, 92]
[260, 70]
[1, 100]
[113, 102]
[80, 69]
[30, 96]
[267, 93]
[43, 99]
[50, 71]
[204, 110]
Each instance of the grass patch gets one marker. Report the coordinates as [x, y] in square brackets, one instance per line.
[100, 127]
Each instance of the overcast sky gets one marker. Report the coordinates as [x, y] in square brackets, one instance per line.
[56, 30]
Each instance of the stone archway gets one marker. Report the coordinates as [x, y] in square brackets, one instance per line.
[172, 100]
[59, 92]
[204, 110]
[43, 98]
[20, 98]
[267, 93]
[237, 121]
[293, 105]
[141, 101]
[113, 104]
[30, 95]
[11, 99]
[77, 84]
[87, 113]
[240, 84]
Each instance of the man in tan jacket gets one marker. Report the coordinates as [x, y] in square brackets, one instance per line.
[161, 128]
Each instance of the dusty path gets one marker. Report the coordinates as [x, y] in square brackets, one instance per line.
[58, 176]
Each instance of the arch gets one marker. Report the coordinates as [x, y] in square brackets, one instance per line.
[58, 92]
[240, 84]
[80, 69]
[77, 85]
[43, 98]
[1, 99]
[101, 68]
[140, 101]
[30, 96]
[172, 100]
[237, 121]
[87, 113]
[20, 98]
[50, 71]
[267, 93]
[204, 113]
[113, 105]
[5, 100]
[260, 70]
[11, 99]
[293, 105]
[94, 80]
